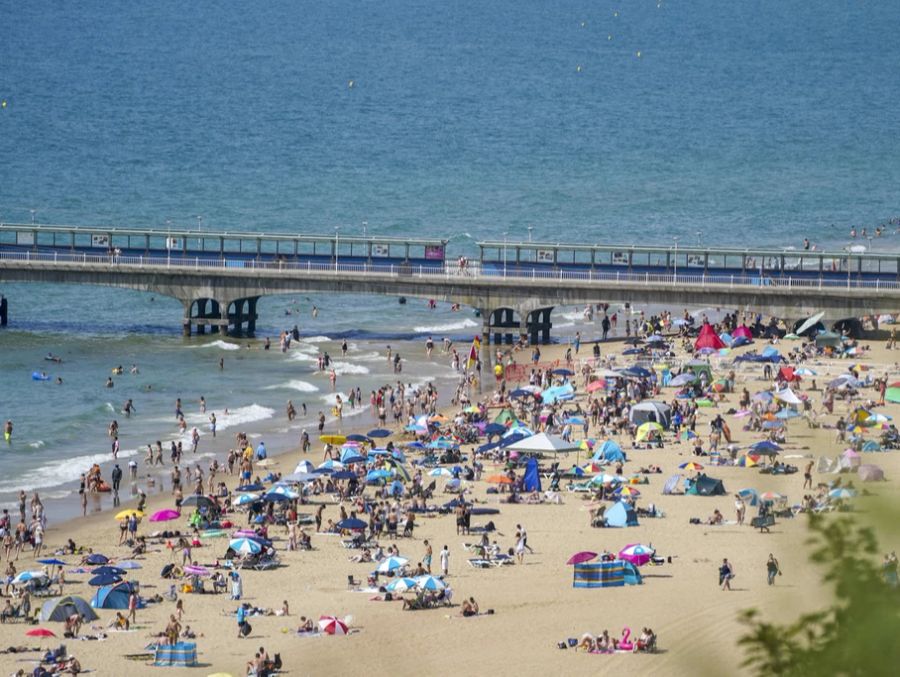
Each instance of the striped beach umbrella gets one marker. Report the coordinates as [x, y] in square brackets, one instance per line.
[637, 554]
[430, 583]
[245, 546]
[391, 564]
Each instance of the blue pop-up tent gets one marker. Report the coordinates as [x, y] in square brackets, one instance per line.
[114, 596]
[610, 452]
[621, 515]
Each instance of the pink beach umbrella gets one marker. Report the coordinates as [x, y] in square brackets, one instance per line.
[165, 516]
[332, 625]
[637, 554]
[580, 557]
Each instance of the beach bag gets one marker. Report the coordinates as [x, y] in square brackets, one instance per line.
[246, 628]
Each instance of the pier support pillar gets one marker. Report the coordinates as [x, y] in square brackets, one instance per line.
[187, 304]
[4, 311]
[539, 325]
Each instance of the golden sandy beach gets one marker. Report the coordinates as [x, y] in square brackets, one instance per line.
[535, 605]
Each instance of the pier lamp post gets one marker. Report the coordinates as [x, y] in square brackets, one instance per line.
[199, 223]
[699, 235]
[32, 216]
[530, 228]
[505, 235]
[168, 242]
[336, 242]
[675, 278]
[365, 225]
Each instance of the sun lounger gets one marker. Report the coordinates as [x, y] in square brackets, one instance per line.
[479, 563]
[579, 487]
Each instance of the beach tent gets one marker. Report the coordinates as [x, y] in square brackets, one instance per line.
[707, 486]
[727, 338]
[708, 338]
[532, 479]
[749, 496]
[871, 445]
[605, 575]
[60, 608]
[699, 367]
[742, 332]
[870, 473]
[658, 412]
[621, 515]
[741, 341]
[114, 596]
[787, 374]
[849, 460]
[544, 443]
[609, 451]
[180, 655]
[506, 417]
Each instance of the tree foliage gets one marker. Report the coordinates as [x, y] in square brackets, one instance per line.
[856, 635]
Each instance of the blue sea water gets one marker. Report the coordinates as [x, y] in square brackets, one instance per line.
[628, 122]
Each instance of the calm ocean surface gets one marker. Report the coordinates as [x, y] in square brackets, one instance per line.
[632, 122]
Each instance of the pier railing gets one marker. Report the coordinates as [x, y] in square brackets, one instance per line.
[449, 271]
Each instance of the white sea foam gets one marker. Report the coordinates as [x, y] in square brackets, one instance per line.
[224, 345]
[302, 357]
[341, 368]
[293, 384]
[235, 417]
[61, 471]
[370, 357]
[331, 398]
[563, 325]
[450, 326]
[37, 444]
[316, 339]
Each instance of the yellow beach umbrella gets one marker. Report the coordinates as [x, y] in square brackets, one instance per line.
[125, 514]
[333, 439]
[646, 429]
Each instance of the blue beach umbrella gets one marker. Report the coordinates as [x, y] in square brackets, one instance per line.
[27, 576]
[129, 565]
[104, 579]
[430, 583]
[379, 432]
[401, 584]
[343, 475]
[352, 524]
[245, 546]
[108, 570]
[244, 499]
[52, 561]
[377, 475]
[390, 564]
